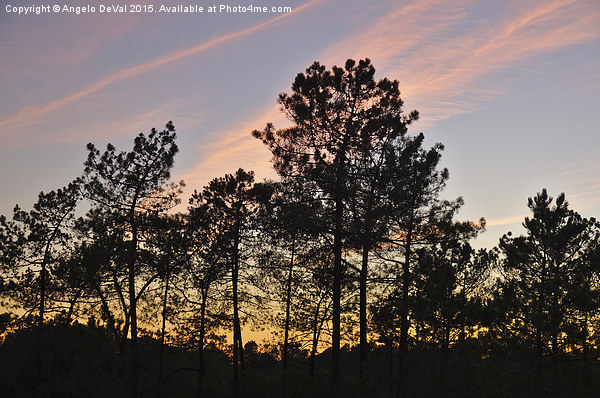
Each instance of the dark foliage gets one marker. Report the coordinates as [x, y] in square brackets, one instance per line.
[352, 261]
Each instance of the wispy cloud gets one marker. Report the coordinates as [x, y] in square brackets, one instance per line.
[103, 130]
[234, 148]
[581, 182]
[139, 122]
[441, 54]
[447, 70]
[32, 115]
[55, 45]
[504, 221]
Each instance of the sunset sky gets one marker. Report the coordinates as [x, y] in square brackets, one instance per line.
[511, 88]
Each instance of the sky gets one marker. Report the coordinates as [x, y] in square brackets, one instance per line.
[511, 88]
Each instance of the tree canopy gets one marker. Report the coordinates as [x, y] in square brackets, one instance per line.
[352, 265]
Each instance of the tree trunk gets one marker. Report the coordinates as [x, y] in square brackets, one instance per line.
[317, 327]
[133, 306]
[287, 317]
[162, 337]
[42, 292]
[340, 163]
[124, 333]
[443, 369]
[110, 320]
[404, 321]
[363, 319]
[315, 339]
[39, 337]
[586, 369]
[201, 370]
[539, 346]
[337, 293]
[236, 316]
[72, 303]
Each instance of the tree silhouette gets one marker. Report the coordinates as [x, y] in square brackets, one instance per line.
[540, 267]
[41, 235]
[417, 218]
[353, 245]
[231, 200]
[98, 267]
[130, 184]
[211, 261]
[338, 116]
[292, 222]
[44, 233]
[583, 298]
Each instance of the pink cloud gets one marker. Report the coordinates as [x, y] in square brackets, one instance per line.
[236, 148]
[441, 69]
[32, 115]
[55, 46]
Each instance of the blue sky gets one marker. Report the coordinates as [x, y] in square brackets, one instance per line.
[510, 88]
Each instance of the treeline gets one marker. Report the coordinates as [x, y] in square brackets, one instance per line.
[351, 251]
